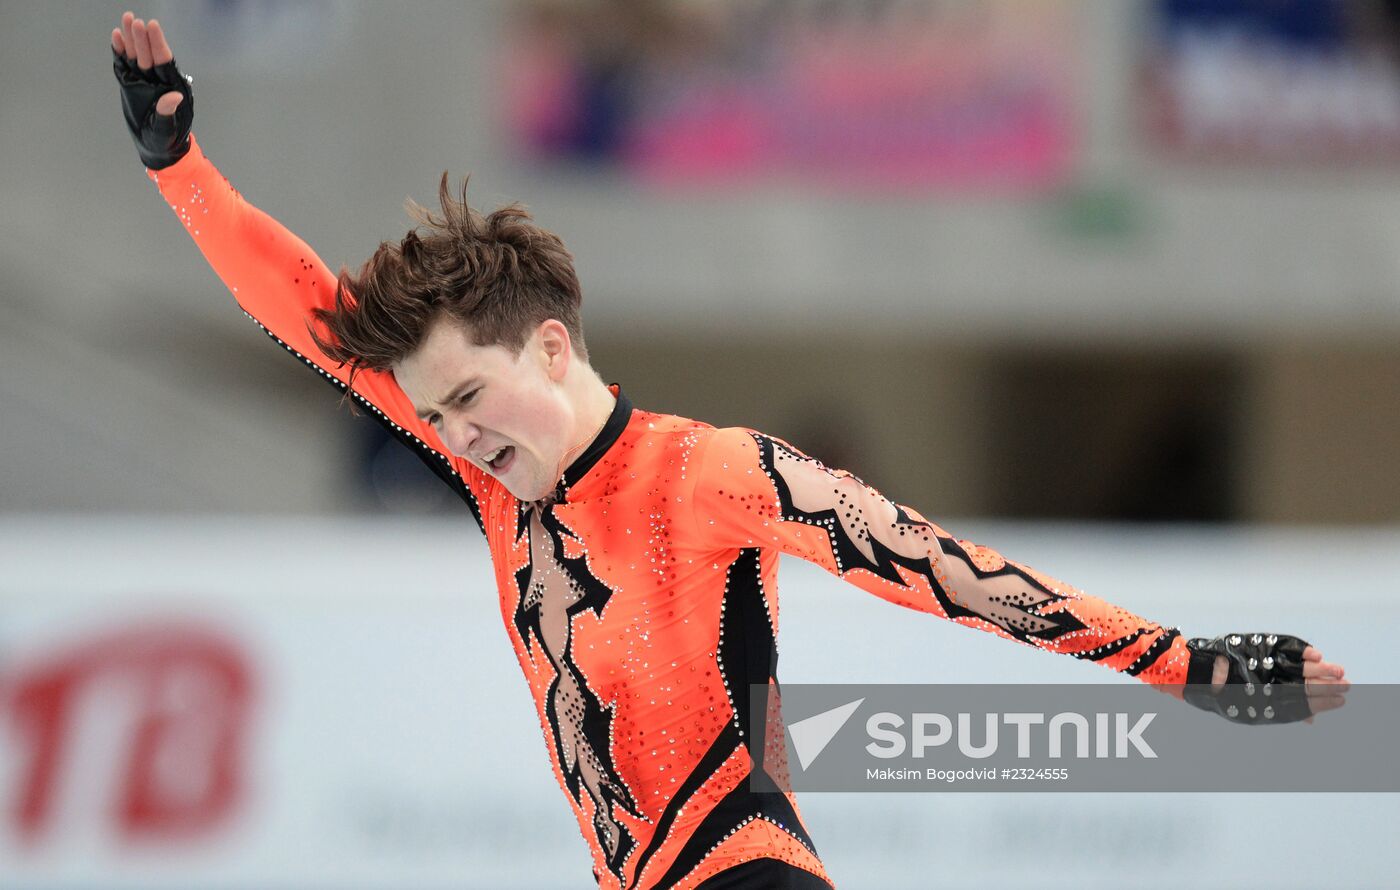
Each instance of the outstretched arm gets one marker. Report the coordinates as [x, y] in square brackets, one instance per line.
[275, 276]
[755, 490]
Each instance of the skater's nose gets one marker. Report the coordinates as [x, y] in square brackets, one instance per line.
[459, 434]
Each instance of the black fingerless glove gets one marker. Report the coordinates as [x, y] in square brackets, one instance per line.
[1264, 683]
[161, 140]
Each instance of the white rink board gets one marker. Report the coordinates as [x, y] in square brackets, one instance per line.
[387, 739]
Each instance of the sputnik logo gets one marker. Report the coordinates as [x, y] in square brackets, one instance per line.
[810, 736]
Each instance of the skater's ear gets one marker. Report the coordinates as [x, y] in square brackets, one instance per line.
[555, 348]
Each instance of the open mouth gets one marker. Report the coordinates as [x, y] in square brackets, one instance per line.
[500, 459]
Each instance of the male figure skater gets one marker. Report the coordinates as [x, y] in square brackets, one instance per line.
[635, 552]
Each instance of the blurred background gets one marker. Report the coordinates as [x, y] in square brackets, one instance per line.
[1112, 287]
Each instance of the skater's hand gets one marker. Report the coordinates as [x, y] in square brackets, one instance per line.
[146, 46]
[1262, 678]
[156, 98]
[1326, 683]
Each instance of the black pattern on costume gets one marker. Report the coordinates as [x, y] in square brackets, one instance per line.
[554, 589]
[844, 506]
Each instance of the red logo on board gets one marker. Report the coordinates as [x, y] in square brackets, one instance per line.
[179, 697]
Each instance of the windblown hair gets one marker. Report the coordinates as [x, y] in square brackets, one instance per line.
[500, 275]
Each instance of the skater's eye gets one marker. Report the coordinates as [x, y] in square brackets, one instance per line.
[467, 397]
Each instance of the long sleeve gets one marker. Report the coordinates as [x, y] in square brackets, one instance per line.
[278, 280]
[753, 490]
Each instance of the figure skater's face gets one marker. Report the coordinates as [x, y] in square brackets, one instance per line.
[510, 415]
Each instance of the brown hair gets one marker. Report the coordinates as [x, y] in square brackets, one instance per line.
[500, 275]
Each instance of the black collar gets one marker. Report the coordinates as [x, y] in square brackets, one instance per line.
[617, 422]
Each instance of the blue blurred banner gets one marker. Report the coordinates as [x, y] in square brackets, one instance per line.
[1261, 81]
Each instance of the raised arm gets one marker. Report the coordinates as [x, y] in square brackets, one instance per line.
[754, 490]
[274, 276]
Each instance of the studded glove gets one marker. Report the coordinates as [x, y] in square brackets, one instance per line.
[161, 139]
[1264, 683]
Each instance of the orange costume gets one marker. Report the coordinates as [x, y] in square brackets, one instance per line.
[641, 597]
